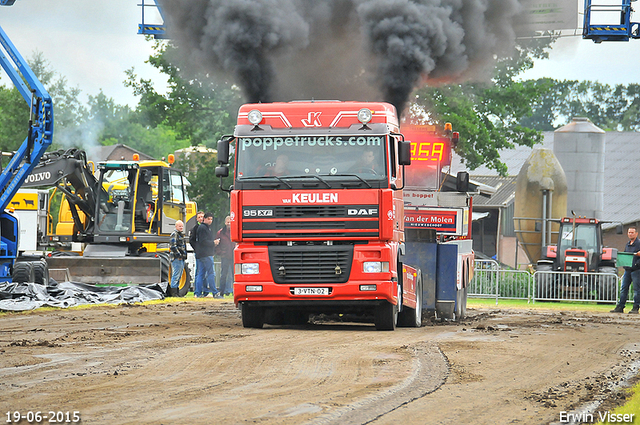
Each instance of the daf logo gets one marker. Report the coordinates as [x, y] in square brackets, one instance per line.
[362, 211]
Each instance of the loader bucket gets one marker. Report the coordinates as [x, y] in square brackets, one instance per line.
[111, 271]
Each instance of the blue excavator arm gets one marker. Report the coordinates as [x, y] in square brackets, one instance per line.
[39, 138]
[40, 127]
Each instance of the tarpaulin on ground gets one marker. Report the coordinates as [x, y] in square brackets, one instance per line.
[29, 296]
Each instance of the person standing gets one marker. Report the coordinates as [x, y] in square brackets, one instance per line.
[193, 239]
[178, 253]
[205, 247]
[631, 274]
[225, 251]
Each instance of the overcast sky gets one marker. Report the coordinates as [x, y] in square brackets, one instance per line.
[92, 43]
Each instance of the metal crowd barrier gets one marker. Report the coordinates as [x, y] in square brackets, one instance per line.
[490, 281]
[571, 286]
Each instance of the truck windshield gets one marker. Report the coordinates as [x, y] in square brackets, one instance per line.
[585, 237]
[363, 156]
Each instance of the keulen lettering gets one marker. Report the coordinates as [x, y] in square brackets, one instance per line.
[314, 198]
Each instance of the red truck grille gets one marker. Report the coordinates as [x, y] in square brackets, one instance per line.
[310, 264]
[322, 221]
[311, 211]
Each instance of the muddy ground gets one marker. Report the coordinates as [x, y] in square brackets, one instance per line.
[192, 362]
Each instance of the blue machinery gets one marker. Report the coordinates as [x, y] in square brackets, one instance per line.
[39, 137]
[156, 30]
[617, 25]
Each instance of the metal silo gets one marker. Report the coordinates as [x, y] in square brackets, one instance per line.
[579, 146]
[541, 195]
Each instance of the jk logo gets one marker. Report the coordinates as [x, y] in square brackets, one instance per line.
[313, 120]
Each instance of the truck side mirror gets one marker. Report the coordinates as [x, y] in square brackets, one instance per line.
[462, 181]
[223, 151]
[222, 171]
[404, 153]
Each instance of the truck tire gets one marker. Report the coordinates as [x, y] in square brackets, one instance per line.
[386, 316]
[410, 317]
[22, 272]
[461, 304]
[252, 317]
[607, 285]
[41, 272]
[544, 282]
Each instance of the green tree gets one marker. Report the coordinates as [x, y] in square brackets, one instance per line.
[14, 118]
[488, 115]
[68, 110]
[112, 124]
[199, 109]
[614, 108]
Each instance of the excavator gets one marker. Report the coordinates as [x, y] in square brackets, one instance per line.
[13, 267]
[120, 214]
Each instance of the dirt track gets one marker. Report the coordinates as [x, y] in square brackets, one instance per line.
[192, 362]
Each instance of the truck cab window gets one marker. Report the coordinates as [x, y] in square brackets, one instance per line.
[360, 157]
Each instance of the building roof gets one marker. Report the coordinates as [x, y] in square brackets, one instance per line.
[505, 191]
[116, 152]
[621, 179]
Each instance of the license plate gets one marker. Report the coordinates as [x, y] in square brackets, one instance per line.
[310, 291]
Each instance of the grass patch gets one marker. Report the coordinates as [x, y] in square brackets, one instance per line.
[631, 407]
[538, 305]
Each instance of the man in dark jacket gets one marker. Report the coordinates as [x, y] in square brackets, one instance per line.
[631, 274]
[225, 251]
[178, 256]
[205, 276]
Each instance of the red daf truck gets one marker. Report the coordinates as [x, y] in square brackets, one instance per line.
[318, 214]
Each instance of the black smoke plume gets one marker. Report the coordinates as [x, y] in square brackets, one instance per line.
[279, 50]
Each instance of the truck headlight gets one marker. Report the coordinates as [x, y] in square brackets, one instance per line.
[375, 266]
[365, 115]
[254, 117]
[247, 268]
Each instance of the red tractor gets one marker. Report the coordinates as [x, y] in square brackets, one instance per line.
[578, 267]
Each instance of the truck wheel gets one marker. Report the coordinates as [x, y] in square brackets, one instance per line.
[410, 317]
[461, 304]
[252, 317]
[607, 285]
[41, 272]
[22, 272]
[544, 282]
[386, 316]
